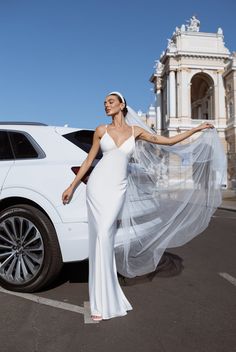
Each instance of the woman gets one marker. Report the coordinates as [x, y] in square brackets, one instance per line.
[106, 190]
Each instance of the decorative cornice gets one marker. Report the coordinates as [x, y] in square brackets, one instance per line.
[185, 69]
[199, 55]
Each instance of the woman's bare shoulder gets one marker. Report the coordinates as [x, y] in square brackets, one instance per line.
[100, 130]
[137, 130]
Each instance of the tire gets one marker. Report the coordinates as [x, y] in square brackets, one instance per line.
[30, 256]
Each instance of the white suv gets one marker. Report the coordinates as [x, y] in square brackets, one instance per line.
[37, 232]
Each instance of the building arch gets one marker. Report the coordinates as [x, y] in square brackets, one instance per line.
[202, 96]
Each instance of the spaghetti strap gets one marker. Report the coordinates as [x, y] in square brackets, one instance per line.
[132, 130]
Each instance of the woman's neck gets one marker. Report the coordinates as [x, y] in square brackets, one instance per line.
[118, 120]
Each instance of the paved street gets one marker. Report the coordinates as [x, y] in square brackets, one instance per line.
[188, 306]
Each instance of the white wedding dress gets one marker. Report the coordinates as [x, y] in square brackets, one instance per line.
[143, 198]
[106, 189]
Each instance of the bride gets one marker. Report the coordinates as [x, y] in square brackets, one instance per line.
[137, 207]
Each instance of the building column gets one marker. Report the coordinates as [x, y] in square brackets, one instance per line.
[172, 94]
[158, 109]
[167, 98]
[221, 96]
[210, 108]
[185, 95]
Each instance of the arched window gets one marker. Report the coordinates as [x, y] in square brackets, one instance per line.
[202, 97]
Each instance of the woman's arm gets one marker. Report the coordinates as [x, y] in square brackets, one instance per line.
[149, 137]
[89, 159]
[67, 194]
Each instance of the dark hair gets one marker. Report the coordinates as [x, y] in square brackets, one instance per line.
[125, 110]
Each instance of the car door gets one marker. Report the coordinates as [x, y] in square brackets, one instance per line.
[6, 157]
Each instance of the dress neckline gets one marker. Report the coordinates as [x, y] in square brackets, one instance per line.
[132, 135]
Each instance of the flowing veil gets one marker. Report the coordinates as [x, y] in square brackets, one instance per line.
[172, 193]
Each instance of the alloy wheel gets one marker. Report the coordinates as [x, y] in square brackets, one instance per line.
[21, 250]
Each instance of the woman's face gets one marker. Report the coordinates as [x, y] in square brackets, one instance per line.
[112, 105]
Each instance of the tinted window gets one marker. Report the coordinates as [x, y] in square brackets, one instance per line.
[5, 147]
[22, 147]
[83, 139]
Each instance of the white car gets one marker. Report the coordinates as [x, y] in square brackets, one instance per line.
[37, 232]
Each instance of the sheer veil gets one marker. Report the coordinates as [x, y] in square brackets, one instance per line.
[171, 195]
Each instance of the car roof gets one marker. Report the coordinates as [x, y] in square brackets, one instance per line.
[22, 123]
[36, 127]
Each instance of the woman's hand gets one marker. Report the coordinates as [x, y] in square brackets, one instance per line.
[67, 195]
[204, 125]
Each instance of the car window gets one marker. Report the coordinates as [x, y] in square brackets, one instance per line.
[5, 147]
[22, 147]
[83, 139]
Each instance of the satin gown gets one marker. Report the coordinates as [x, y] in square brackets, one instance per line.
[106, 190]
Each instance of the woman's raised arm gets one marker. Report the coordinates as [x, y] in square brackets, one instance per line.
[140, 133]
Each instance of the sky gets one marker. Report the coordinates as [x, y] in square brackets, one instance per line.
[60, 58]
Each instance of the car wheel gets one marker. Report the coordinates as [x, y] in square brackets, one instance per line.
[30, 256]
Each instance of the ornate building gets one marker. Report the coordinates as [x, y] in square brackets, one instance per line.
[195, 80]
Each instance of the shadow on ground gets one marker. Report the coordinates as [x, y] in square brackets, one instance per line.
[169, 265]
[77, 272]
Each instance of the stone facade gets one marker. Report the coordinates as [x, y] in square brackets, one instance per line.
[195, 80]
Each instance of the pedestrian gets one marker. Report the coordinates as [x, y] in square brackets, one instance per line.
[106, 198]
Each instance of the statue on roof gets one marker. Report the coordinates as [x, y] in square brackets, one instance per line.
[194, 24]
[158, 67]
[171, 47]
